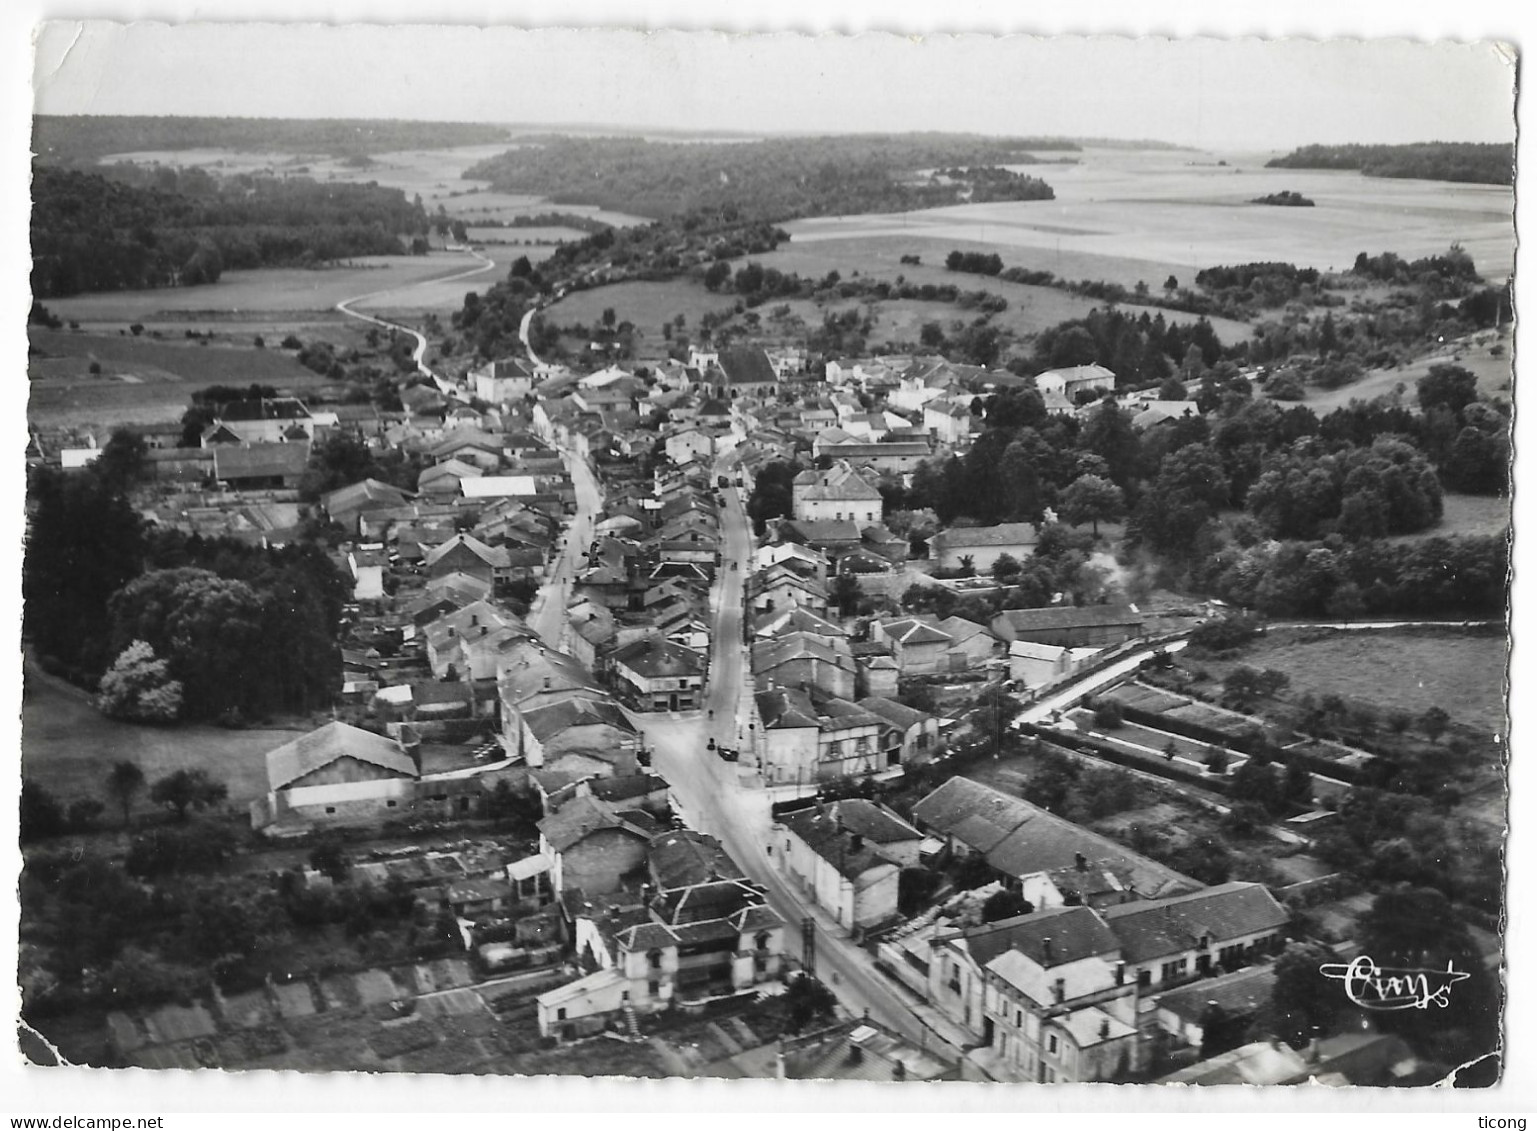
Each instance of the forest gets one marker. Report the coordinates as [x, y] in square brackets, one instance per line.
[244, 632]
[85, 138]
[776, 179]
[144, 228]
[1467, 162]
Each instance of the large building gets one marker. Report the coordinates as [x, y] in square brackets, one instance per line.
[837, 494]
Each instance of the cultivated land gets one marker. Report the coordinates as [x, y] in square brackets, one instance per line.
[1031, 308]
[1462, 673]
[278, 290]
[70, 746]
[646, 304]
[142, 380]
[1144, 215]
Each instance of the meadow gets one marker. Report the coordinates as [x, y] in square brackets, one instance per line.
[284, 291]
[1494, 373]
[1462, 673]
[68, 746]
[1463, 515]
[646, 304]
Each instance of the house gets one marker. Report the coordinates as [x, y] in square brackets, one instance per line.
[1150, 414]
[577, 730]
[1096, 626]
[337, 774]
[804, 660]
[500, 487]
[780, 587]
[1213, 1014]
[590, 847]
[846, 857]
[252, 466]
[262, 420]
[836, 494]
[1071, 381]
[503, 380]
[1056, 1005]
[970, 640]
[442, 480]
[464, 553]
[466, 643]
[1036, 665]
[1168, 941]
[919, 648]
[663, 676]
[1363, 1058]
[470, 446]
[802, 739]
[367, 566]
[795, 619]
[983, 545]
[949, 420]
[912, 736]
[346, 506]
[689, 445]
[1050, 861]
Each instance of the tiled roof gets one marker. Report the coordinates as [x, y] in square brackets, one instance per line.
[579, 818]
[747, 365]
[258, 461]
[334, 741]
[898, 714]
[1047, 938]
[1239, 994]
[1155, 928]
[1004, 534]
[1020, 839]
[682, 857]
[911, 631]
[578, 710]
[1034, 620]
[783, 707]
[652, 659]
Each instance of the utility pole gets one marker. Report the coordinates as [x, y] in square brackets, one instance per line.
[809, 945]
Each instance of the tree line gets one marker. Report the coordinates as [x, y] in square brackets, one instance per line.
[95, 233]
[775, 179]
[1489, 163]
[84, 138]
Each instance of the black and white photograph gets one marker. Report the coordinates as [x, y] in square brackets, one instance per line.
[874, 558]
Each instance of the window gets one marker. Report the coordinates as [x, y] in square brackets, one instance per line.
[1019, 1019]
[655, 959]
[625, 997]
[330, 808]
[1144, 978]
[1051, 1043]
[389, 804]
[560, 1014]
[653, 987]
[1172, 970]
[762, 941]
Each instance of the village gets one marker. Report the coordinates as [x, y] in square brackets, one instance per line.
[753, 845]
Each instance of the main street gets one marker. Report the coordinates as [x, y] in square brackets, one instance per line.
[547, 616]
[727, 800]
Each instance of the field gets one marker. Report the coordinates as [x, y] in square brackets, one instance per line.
[267, 292]
[1126, 215]
[1466, 514]
[1031, 309]
[68, 746]
[1463, 674]
[1494, 373]
[143, 381]
[646, 304]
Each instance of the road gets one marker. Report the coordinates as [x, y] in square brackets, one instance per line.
[547, 616]
[725, 799]
[419, 354]
[528, 318]
[1071, 693]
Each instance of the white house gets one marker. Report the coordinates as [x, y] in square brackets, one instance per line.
[847, 857]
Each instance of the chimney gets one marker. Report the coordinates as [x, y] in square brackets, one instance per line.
[410, 743]
[1046, 949]
[546, 683]
[856, 842]
[1059, 990]
[1080, 861]
[1120, 973]
[1104, 1029]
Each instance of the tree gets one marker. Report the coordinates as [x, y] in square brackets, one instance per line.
[187, 789]
[41, 814]
[1304, 1004]
[83, 812]
[329, 859]
[968, 565]
[806, 1001]
[1005, 566]
[123, 459]
[1108, 715]
[125, 781]
[1091, 499]
[1005, 904]
[1216, 760]
[1434, 723]
[138, 687]
[1171, 284]
[845, 592]
[716, 274]
[1449, 385]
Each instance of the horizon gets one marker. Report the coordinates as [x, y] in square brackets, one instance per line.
[1241, 95]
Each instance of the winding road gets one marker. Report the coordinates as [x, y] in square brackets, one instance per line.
[419, 354]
